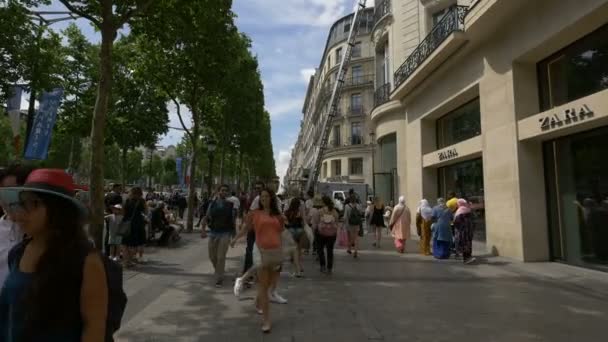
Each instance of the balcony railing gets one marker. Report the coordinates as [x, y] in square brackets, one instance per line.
[453, 21]
[355, 140]
[356, 111]
[382, 94]
[382, 8]
[359, 80]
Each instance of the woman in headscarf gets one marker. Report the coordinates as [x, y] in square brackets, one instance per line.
[442, 230]
[399, 224]
[463, 227]
[425, 212]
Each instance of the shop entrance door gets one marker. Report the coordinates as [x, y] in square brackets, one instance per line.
[576, 170]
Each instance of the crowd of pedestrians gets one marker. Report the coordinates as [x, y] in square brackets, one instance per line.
[46, 256]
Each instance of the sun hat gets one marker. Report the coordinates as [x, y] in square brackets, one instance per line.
[54, 182]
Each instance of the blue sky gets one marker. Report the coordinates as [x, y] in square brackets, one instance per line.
[288, 37]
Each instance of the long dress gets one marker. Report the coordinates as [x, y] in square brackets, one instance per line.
[463, 227]
[442, 234]
[134, 212]
[400, 222]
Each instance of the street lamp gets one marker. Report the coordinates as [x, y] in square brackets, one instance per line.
[372, 137]
[211, 145]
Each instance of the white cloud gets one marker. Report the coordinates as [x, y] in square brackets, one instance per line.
[297, 12]
[282, 158]
[306, 74]
[175, 134]
[282, 107]
[279, 51]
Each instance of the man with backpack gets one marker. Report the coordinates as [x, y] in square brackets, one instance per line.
[221, 218]
[352, 222]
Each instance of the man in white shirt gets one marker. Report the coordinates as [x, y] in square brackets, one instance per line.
[10, 233]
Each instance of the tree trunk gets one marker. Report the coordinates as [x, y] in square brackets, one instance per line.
[239, 171]
[98, 127]
[191, 186]
[222, 164]
[124, 166]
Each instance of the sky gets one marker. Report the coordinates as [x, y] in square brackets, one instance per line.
[288, 37]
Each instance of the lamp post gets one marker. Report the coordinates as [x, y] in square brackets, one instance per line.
[372, 137]
[211, 145]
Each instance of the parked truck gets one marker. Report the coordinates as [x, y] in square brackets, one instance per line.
[339, 192]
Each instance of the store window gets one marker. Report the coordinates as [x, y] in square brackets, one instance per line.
[459, 125]
[579, 70]
[336, 165]
[466, 181]
[357, 50]
[576, 172]
[356, 166]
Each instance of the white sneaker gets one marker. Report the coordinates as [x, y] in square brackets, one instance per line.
[238, 287]
[276, 298]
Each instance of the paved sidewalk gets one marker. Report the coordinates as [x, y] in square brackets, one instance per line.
[382, 296]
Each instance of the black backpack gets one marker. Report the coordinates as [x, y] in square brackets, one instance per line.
[117, 298]
[354, 217]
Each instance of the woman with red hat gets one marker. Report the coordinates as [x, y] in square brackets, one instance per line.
[56, 289]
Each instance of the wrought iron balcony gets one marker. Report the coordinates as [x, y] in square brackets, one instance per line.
[356, 111]
[382, 8]
[382, 94]
[360, 80]
[453, 21]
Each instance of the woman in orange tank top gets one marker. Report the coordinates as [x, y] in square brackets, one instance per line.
[268, 224]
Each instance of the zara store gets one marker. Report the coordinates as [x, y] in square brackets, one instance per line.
[515, 119]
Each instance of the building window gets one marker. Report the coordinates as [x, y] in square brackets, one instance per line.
[325, 170]
[357, 72]
[356, 133]
[465, 180]
[347, 25]
[356, 166]
[459, 125]
[437, 16]
[336, 141]
[329, 61]
[579, 70]
[337, 167]
[338, 55]
[357, 49]
[356, 105]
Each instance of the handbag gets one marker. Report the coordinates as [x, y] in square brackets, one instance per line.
[342, 238]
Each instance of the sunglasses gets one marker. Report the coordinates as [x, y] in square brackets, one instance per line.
[25, 205]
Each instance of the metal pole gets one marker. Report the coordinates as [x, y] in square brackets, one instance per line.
[373, 165]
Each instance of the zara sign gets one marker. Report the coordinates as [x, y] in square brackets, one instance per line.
[448, 154]
[568, 117]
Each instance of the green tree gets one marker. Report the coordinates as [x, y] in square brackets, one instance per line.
[108, 16]
[184, 45]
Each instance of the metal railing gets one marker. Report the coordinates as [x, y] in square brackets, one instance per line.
[359, 80]
[355, 140]
[356, 111]
[382, 94]
[382, 8]
[453, 21]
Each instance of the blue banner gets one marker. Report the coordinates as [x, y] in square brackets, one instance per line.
[180, 173]
[40, 136]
